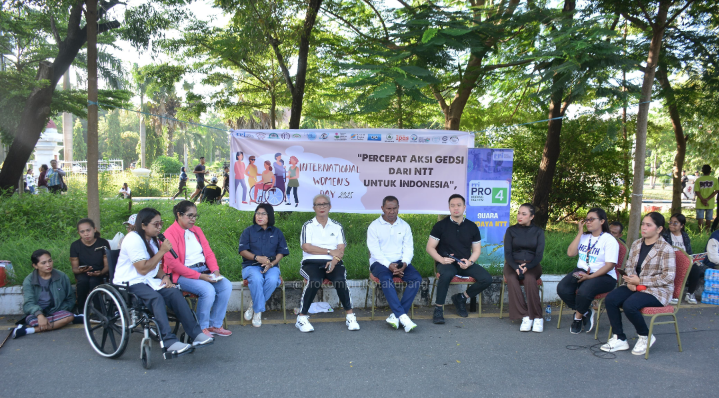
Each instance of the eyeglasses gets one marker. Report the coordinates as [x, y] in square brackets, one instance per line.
[263, 214]
[191, 215]
[157, 224]
[322, 205]
[587, 220]
[675, 223]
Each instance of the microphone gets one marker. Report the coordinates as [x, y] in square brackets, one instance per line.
[162, 239]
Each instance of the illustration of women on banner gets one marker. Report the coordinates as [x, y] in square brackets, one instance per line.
[293, 177]
[240, 178]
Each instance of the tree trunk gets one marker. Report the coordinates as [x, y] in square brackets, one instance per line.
[663, 78]
[550, 156]
[653, 170]
[67, 123]
[93, 192]
[635, 213]
[170, 142]
[273, 110]
[143, 133]
[400, 122]
[298, 92]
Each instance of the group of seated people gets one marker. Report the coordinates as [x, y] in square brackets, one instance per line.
[152, 268]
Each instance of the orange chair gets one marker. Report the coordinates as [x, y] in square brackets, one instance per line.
[242, 301]
[683, 266]
[623, 255]
[458, 280]
[374, 283]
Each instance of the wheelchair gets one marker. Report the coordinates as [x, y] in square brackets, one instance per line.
[112, 313]
[273, 196]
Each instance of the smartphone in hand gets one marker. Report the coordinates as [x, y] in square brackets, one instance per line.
[622, 272]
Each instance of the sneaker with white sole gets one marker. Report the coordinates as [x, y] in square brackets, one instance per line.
[257, 319]
[588, 321]
[393, 321]
[641, 347]
[614, 344]
[249, 312]
[526, 324]
[407, 323]
[538, 325]
[689, 298]
[202, 339]
[303, 324]
[674, 301]
[179, 347]
[351, 322]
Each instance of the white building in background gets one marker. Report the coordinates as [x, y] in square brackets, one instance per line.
[48, 147]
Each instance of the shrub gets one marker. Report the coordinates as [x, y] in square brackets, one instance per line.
[166, 165]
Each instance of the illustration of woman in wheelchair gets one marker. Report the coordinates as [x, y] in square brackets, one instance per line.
[139, 292]
[270, 193]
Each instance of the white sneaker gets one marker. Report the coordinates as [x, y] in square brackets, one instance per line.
[526, 324]
[641, 347]
[257, 319]
[303, 324]
[674, 301]
[393, 321]
[407, 323]
[538, 325]
[614, 344]
[351, 322]
[249, 312]
[689, 298]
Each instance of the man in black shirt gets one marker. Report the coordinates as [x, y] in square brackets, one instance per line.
[211, 193]
[455, 245]
[200, 176]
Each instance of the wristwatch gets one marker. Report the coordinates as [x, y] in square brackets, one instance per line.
[254, 258]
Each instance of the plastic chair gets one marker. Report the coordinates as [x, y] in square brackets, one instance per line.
[458, 280]
[245, 283]
[374, 283]
[622, 259]
[683, 266]
[540, 284]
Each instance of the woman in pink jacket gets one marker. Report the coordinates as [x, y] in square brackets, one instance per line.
[195, 269]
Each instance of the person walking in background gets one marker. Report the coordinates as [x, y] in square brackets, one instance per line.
[705, 187]
[200, 177]
[685, 181]
[293, 180]
[54, 177]
[30, 181]
[183, 183]
[240, 173]
[279, 170]
[523, 252]
[225, 181]
[41, 180]
[88, 260]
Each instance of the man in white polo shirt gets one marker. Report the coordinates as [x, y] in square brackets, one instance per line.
[323, 246]
[389, 240]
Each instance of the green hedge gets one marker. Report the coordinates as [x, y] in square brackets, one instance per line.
[48, 221]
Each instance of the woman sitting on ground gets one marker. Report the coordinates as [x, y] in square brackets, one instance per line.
[88, 260]
[262, 246]
[196, 271]
[649, 282]
[139, 265]
[125, 191]
[523, 251]
[48, 298]
[676, 236]
[598, 254]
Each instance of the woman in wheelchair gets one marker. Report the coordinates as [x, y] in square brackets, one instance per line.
[268, 180]
[139, 267]
[48, 298]
[195, 269]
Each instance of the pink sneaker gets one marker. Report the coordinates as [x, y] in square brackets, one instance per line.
[219, 331]
[207, 332]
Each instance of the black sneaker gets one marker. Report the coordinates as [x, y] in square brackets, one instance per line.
[588, 321]
[438, 317]
[460, 303]
[576, 327]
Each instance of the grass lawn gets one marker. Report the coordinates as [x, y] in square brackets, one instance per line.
[48, 222]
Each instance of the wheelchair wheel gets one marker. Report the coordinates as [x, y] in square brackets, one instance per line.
[106, 321]
[145, 356]
[274, 196]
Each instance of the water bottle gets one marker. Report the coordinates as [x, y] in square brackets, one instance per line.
[548, 313]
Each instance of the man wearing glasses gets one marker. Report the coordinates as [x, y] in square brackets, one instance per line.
[323, 246]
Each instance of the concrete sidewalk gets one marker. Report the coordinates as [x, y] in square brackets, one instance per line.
[466, 357]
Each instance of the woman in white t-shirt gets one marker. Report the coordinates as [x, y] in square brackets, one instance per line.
[125, 191]
[676, 236]
[598, 254]
[139, 265]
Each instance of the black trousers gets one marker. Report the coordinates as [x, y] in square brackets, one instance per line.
[579, 296]
[448, 271]
[695, 275]
[314, 272]
[85, 284]
[632, 302]
[181, 188]
[156, 300]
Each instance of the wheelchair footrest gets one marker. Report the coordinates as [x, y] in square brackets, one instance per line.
[175, 354]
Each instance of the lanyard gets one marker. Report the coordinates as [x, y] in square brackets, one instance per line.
[591, 247]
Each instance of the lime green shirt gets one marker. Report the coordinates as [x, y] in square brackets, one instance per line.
[705, 185]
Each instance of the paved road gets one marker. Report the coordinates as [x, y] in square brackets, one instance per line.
[465, 357]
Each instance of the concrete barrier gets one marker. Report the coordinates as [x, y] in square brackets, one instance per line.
[11, 297]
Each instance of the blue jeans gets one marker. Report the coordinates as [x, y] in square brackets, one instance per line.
[212, 298]
[261, 285]
[413, 279]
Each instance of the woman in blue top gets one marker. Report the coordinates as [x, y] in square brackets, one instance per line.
[183, 183]
[262, 246]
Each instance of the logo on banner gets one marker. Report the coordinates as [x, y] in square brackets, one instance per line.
[389, 138]
[261, 136]
[454, 139]
[436, 139]
[358, 137]
[374, 137]
[401, 138]
[285, 136]
[444, 139]
[340, 136]
[488, 193]
[311, 136]
[323, 136]
[503, 155]
[413, 137]
[296, 136]
[424, 140]
[240, 134]
[274, 136]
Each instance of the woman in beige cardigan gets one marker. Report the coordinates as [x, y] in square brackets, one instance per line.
[649, 282]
